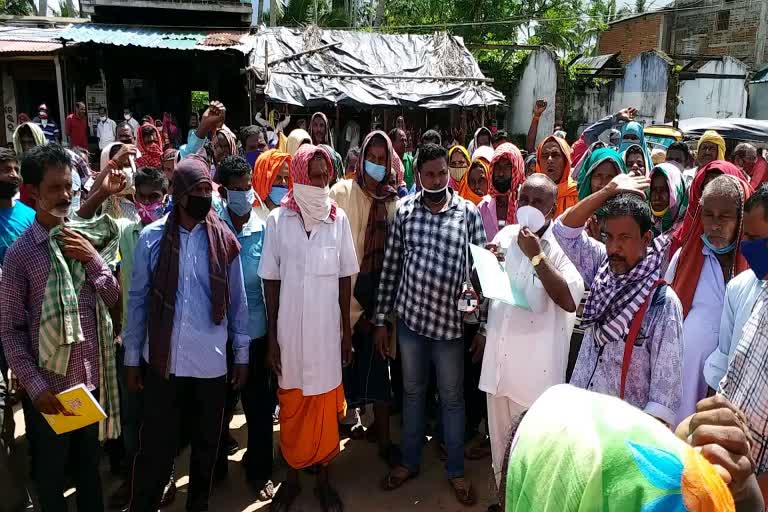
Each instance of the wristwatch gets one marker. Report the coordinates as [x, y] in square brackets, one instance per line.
[536, 260]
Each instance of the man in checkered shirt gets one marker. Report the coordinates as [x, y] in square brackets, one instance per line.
[425, 267]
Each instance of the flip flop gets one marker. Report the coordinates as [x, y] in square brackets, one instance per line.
[392, 481]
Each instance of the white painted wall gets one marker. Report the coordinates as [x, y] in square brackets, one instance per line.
[709, 97]
[539, 81]
[758, 101]
[645, 88]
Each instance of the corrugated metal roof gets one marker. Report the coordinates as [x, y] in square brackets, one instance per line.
[29, 39]
[166, 38]
[592, 65]
[761, 76]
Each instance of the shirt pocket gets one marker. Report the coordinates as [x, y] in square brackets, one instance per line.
[324, 261]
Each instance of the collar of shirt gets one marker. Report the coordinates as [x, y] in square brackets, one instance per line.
[254, 224]
[453, 202]
[38, 232]
[292, 213]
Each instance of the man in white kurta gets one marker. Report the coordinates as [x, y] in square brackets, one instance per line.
[526, 348]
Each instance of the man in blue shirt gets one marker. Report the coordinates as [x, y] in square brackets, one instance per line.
[15, 216]
[260, 394]
[186, 299]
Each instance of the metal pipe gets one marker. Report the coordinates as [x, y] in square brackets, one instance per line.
[60, 94]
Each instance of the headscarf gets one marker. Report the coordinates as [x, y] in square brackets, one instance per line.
[484, 153]
[678, 197]
[170, 127]
[593, 162]
[376, 226]
[338, 163]
[464, 152]
[152, 154]
[266, 169]
[295, 139]
[328, 140]
[632, 148]
[22, 118]
[170, 154]
[473, 147]
[300, 176]
[464, 189]
[509, 152]
[567, 190]
[691, 258]
[715, 138]
[530, 158]
[694, 197]
[633, 128]
[37, 134]
[230, 137]
[576, 450]
[576, 171]
[223, 248]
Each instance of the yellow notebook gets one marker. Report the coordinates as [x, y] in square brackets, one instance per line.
[84, 407]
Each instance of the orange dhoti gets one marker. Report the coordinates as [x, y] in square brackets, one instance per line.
[309, 426]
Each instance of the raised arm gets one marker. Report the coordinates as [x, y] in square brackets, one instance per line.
[538, 109]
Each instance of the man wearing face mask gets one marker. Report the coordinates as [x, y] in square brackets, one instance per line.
[370, 202]
[629, 305]
[48, 360]
[424, 276]
[307, 266]
[507, 170]
[739, 365]
[49, 127]
[185, 301]
[519, 365]
[128, 118]
[106, 129]
[150, 189]
[258, 397]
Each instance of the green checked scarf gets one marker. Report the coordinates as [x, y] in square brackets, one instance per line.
[60, 316]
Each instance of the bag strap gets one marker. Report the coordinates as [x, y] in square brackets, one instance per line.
[634, 330]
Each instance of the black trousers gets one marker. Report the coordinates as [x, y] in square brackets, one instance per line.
[55, 456]
[198, 405]
[259, 401]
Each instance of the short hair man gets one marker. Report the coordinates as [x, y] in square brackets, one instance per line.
[513, 375]
[105, 129]
[76, 126]
[499, 138]
[44, 366]
[745, 158]
[128, 118]
[48, 125]
[624, 276]
[679, 153]
[125, 133]
[400, 144]
[432, 226]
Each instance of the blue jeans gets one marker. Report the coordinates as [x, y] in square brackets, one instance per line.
[416, 351]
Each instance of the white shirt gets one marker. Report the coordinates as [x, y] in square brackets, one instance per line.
[134, 125]
[105, 131]
[526, 351]
[309, 318]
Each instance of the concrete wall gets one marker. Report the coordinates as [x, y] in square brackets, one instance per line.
[633, 36]
[758, 101]
[709, 97]
[539, 81]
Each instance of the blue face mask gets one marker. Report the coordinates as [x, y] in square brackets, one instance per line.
[252, 156]
[277, 194]
[375, 171]
[240, 202]
[756, 254]
[718, 250]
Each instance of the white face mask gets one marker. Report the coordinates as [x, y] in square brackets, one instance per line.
[314, 203]
[531, 218]
[43, 122]
[127, 116]
[103, 118]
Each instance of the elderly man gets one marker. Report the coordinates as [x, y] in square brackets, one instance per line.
[628, 305]
[186, 300]
[745, 158]
[519, 365]
[76, 126]
[105, 129]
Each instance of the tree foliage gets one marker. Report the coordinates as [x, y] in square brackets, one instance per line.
[17, 7]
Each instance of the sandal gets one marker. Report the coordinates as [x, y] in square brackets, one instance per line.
[397, 477]
[329, 499]
[357, 433]
[464, 492]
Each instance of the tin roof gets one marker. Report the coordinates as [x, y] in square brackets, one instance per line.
[15, 39]
[166, 38]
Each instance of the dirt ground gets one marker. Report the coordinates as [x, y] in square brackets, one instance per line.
[357, 473]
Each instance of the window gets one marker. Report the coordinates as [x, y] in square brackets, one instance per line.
[723, 20]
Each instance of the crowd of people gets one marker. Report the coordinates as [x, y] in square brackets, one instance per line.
[184, 276]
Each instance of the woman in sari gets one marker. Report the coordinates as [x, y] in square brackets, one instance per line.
[668, 198]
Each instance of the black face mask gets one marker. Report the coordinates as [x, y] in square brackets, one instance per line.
[502, 185]
[198, 207]
[8, 189]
